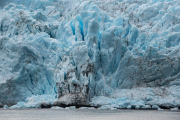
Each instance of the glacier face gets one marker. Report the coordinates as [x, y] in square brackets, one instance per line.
[100, 52]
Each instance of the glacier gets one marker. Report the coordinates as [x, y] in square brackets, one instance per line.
[103, 53]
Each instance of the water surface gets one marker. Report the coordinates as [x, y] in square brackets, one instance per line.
[77, 114]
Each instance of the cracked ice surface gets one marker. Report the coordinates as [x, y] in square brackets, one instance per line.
[125, 52]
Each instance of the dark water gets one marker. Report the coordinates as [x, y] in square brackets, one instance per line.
[49, 114]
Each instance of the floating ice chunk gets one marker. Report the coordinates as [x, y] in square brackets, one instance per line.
[56, 107]
[174, 109]
[113, 108]
[159, 109]
[83, 108]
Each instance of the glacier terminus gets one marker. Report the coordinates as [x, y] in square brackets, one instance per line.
[116, 54]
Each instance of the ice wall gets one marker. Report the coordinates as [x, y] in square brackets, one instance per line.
[81, 49]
